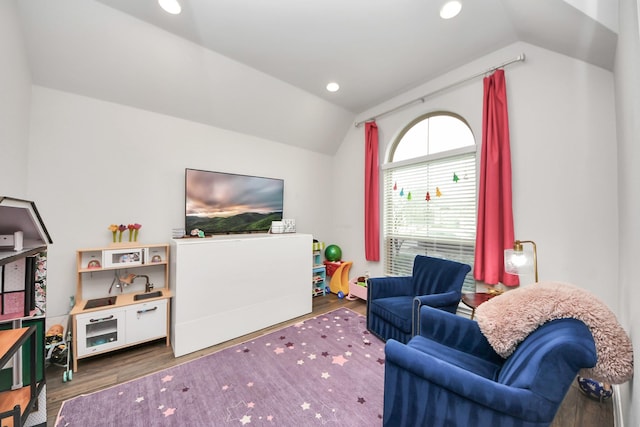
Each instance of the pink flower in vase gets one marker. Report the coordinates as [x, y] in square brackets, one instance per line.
[136, 227]
[121, 229]
[131, 228]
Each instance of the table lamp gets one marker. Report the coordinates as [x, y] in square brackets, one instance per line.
[517, 261]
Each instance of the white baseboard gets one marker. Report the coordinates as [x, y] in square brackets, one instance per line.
[618, 418]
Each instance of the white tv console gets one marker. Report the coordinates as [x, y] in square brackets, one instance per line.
[227, 286]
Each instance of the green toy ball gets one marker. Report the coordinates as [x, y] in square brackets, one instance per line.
[333, 253]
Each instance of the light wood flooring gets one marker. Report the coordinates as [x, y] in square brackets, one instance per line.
[98, 372]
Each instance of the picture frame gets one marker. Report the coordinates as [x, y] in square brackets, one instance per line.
[122, 257]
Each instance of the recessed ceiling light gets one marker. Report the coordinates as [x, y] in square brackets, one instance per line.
[170, 6]
[450, 9]
[333, 87]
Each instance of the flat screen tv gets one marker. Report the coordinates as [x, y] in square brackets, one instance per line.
[227, 203]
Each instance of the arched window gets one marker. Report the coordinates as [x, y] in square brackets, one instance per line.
[430, 193]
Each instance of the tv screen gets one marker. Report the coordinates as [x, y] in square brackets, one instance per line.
[225, 203]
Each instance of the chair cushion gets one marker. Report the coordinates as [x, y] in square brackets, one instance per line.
[463, 360]
[395, 310]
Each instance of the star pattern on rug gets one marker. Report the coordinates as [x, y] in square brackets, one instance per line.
[243, 380]
[339, 360]
[237, 412]
[326, 414]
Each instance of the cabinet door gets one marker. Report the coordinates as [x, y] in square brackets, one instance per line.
[99, 331]
[146, 321]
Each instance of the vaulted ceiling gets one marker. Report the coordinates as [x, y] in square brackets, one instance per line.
[260, 66]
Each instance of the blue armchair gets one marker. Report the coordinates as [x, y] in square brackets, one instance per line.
[450, 376]
[393, 303]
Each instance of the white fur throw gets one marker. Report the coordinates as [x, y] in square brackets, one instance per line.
[506, 320]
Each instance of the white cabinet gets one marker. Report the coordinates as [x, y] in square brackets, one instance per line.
[146, 321]
[100, 331]
[228, 286]
[106, 330]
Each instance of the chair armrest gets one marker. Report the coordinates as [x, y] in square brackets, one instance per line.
[475, 389]
[456, 332]
[383, 287]
[440, 300]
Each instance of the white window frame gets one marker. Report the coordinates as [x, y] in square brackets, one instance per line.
[399, 261]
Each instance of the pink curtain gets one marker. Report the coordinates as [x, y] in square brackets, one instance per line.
[495, 213]
[371, 196]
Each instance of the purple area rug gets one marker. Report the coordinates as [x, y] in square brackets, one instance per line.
[325, 370]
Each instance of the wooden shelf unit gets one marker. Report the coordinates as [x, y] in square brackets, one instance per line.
[93, 284]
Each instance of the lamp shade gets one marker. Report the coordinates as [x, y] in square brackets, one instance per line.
[517, 262]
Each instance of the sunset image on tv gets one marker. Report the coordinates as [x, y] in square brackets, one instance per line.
[223, 203]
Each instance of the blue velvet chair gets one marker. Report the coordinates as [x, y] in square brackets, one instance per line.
[393, 303]
[450, 376]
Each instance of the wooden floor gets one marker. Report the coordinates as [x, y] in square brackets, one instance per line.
[96, 373]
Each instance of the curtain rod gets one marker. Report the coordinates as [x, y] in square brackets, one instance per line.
[423, 97]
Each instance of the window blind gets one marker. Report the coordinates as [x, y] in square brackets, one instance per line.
[430, 209]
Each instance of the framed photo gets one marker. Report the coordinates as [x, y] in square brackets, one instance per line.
[122, 257]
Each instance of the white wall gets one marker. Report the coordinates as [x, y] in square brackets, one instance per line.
[143, 66]
[94, 163]
[15, 93]
[627, 69]
[563, 140]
